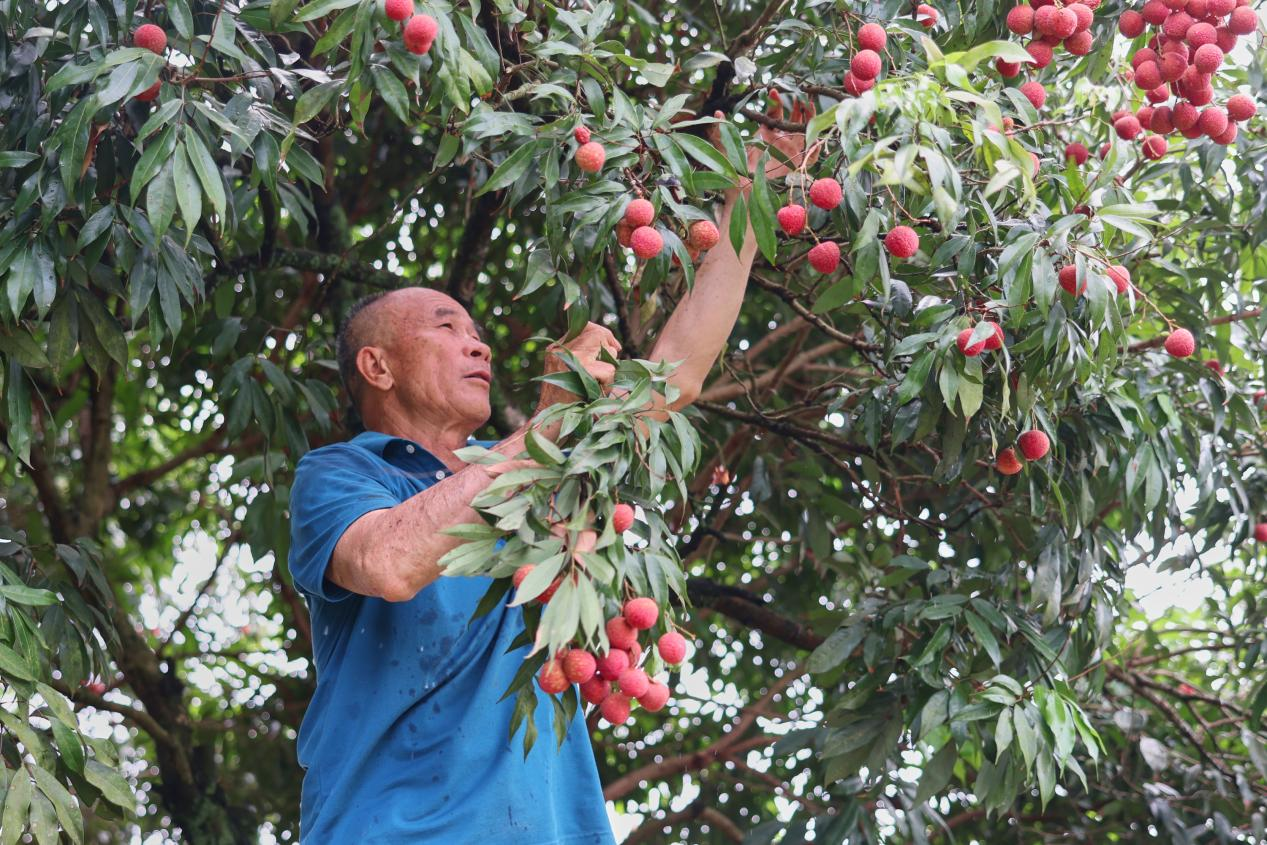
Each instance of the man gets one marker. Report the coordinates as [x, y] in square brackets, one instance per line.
[405, 740]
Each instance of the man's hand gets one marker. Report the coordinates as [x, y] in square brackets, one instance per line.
[586, 347]
[791, 145]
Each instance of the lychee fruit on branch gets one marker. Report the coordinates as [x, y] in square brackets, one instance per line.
[633, 682]
[1035, 93]
[969, 349]
[620, 633]
[1260, 533]
[595, 690]
[1180, 343]
[1241, 108]
[672, 648]
[611, 664]
[420, 33]
[791, 218]
[1007, 462]
[995, 341]
[855, 86]
[1069, 280]
[522, 572]
[149, 93]
[1120, 276]
[1020, 19]
[1131, 23]
[398, 10]
[635, 653]
[926, 15]
[615, 708]
[1034, 444]
[1154, 147]
[825, 193]
[1127, 127]
[901, 242]
[703, 235]
[639, 212]
[579, 665]
[1078, 152]
[641, 613]
[581, 134]
[150, 37]
[825, 257]
[590, 156]
[871, 36]
[622, 518]
[552, 678]
[866, 64]
[646, 242]
[655, 697]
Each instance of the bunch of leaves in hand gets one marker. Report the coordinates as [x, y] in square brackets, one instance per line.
[557, 517]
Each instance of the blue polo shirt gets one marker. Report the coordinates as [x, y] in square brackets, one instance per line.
[405, 740]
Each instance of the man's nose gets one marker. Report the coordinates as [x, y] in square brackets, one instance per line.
[479, 349]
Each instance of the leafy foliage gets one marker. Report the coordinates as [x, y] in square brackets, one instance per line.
[897, 641]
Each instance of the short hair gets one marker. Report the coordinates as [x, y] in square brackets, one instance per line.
[352, 337]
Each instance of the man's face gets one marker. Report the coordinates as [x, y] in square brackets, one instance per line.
[439, 361]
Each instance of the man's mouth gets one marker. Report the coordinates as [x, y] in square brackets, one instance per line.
[487, 378]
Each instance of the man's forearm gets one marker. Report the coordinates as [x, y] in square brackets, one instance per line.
[698, 328]
[394, 553]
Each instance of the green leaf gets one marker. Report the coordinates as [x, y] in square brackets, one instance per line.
[12, 664]
[65, 807]
[510, 169]
[393, 91]
[706, 154]
[16, 158]
[937, 772]
[27, 595]
[314, 100]
[156, 153]
[835, 649]
[114, 787]
[17, 804]
[188, 195]
[762, 211]
[208, 172]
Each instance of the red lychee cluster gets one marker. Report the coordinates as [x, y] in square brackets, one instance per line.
[990, 343]
[150, 37]
[866, 64]
[1190, 42]
[1050, 26]
[418, 31]
[636, 230]
[1034, 445]
[613, 681]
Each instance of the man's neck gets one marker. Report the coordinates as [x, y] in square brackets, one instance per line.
[440, 440]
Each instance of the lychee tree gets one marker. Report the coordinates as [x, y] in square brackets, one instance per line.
[1003, 340]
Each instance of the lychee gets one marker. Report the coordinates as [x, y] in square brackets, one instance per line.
[581, 134]
[969, 349]
[995, 340]
[1007, 462]
[150, 37]
[641, 613]
[1035, 93]
[792, 218]
[639, 212]
[825, 257]
[1147, 76]
[866, 64]
[871, 36]
[1260, 532]
[1208, 58]
[1180, 343]
[655, 697]
[1020, 19]
[620, 633]
[1069, 280]
[1241, 108]
[1080, 43]
[622, 517]
[149, 93]
[633, 682]
[646, 242]
[420, 33]
[1078, 152]
[672, 648]
[398, 10]
[1131, 23]
[902, 242]
[1007, 69]
[855, 86]
[825, 193]
[1227, 136]
[1034, 444]
[635, 652]
[595, 690]
[1120, 276]
[1242, 21]
[1154, 147]
[590, 156]
[611, 664]
[703, 235]
[579, 665]
[927, 16]
[615, 708]
[1040, 54]
[552, 678]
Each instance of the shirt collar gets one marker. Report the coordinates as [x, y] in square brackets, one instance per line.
[389, 447]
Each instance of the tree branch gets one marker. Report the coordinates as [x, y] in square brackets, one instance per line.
[1160, 340]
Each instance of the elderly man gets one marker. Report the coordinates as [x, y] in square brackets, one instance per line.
[405, 740]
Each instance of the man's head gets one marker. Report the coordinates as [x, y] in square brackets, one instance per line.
[415, 355]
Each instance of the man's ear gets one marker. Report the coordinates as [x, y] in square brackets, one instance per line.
[372, 364]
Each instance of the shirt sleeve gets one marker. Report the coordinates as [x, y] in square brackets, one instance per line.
[333, 488]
